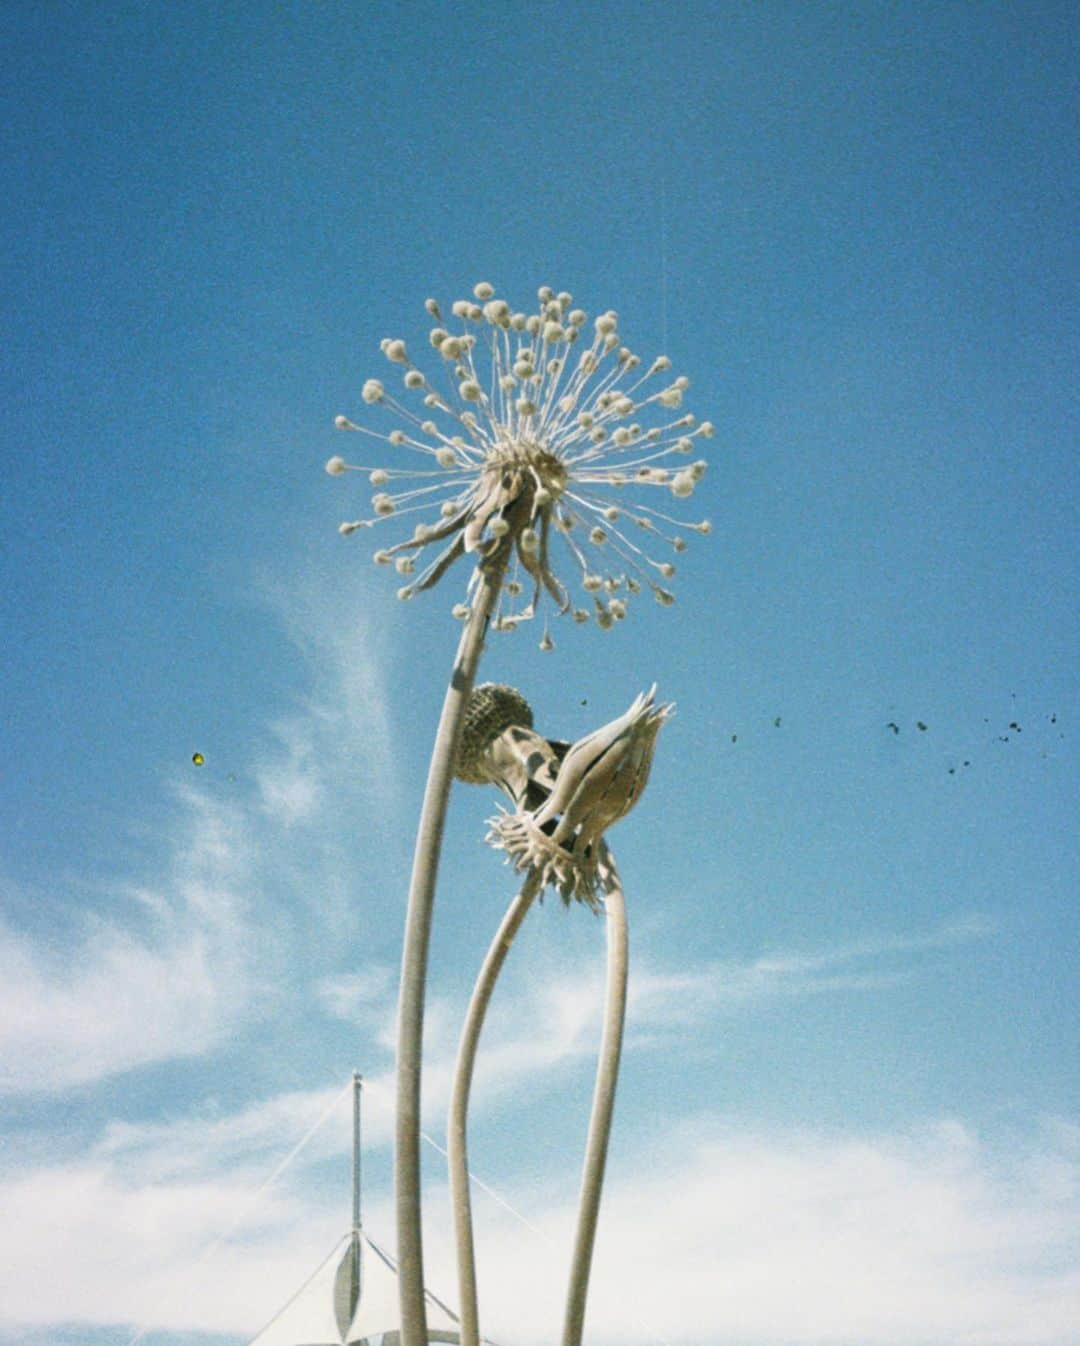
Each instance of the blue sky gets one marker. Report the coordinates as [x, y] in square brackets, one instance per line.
[852, 1059]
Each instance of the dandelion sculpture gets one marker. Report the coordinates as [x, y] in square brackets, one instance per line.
[530, 433]
[565, 799]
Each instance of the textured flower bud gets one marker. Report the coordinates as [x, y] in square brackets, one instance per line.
[491, 709]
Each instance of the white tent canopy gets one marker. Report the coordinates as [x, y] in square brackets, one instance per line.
[318, 1315]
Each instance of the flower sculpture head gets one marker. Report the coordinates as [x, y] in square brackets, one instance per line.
[566, 796]
[528, 435]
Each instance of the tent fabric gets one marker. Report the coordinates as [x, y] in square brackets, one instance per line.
[310, 1319]
[318, 1314]
[377, 1313]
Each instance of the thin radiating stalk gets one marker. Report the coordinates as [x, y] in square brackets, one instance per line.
[607, 1074]
[457, 1142]
[414, 956]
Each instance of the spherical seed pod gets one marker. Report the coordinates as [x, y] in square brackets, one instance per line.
[414, 379]
[395, 351]
[335, 466]
[372, 391]
[445, 457]
[379, 477]
[483, 290]
[491, 709]
[343, 423]
[470, 390]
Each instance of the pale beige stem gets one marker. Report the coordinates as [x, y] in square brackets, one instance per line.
[607, 1074]
[415, 957]
[457, 1141]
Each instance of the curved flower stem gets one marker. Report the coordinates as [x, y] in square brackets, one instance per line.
[457, 1143]
[415, 954]
[607, 1073]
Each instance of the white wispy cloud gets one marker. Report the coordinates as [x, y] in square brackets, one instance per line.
[114, 993]
[716, 1234]
[163, 967]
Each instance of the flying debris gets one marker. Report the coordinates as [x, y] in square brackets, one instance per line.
[893, 726]
[920, 726]
[776, 722]
[198, 759]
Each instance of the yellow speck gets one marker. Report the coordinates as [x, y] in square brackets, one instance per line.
[198, 758]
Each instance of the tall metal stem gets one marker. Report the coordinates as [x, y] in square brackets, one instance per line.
[457, 1142]
[607, 1074]
[415, 954]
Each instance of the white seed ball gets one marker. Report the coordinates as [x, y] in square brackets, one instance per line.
[553, 331]
[429, 428]
[470, 390]
[448, 509]
[460, 308]
[343, 423]
[517, 322]
[414, 379]
[545, 294]
[580, 616]
[382, 558]
[592, 583]
[530, 540]
[460, 611]
[577, 317]
[682, 383]
[707, 429]
[446, 457]
[395, 350]
[404, 565]
[498, 527]
[372, 391]
[525, 407]
[397, 436]
[335, 466]
[379, 477]
[382, 504]
[508, 383]
[432, 306]
[532, 324]
[666, 569]
[611, 341]
[484, 290]
[437, 336]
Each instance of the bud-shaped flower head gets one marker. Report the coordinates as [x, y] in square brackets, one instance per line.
[599, 780]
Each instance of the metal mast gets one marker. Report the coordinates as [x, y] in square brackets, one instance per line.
[354, 1283]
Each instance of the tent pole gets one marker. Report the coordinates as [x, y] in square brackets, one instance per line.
[354, 1279]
